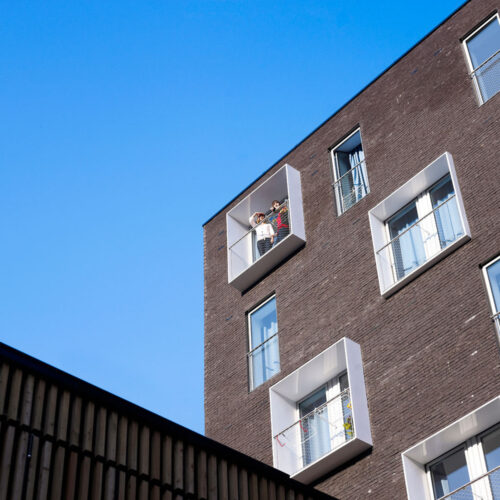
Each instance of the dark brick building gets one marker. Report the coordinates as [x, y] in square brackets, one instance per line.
[356, 351]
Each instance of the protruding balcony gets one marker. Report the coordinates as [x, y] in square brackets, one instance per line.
[332, 429]
[248, 261]
[321, 431]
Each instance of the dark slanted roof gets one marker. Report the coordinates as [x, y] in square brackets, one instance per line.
[54, 414]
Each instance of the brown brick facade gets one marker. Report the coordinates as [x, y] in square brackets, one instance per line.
[430, 351]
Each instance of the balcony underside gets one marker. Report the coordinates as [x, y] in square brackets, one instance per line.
[267, 262]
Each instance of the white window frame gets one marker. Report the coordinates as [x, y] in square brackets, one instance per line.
[397, 200]
[343, 356]
[336, 173]
[252, 349]
[332, 389]
[477, 90]
[496, 314]
[475, 463]
[415, 459]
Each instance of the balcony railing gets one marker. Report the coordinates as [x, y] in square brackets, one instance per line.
[496, 320]
[319, 432]
[485, 487]
[421, 241]
[264, 361]
[487, 76]
[352, 186]
[247, 249]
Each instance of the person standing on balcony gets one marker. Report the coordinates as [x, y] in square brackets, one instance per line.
[282, 224]
[264, 232]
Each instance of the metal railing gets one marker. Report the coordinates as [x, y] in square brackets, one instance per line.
[487, 76]
[319, 432]
[420, 241]
[485, 487]
[351, 186]
[246, 250]
[496, 320]
[263, 361]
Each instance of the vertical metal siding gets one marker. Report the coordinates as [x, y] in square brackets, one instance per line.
[57, 443]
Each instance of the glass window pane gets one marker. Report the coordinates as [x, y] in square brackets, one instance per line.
[482, 49]
[314, 426]
[494, 279]
[351, 174]
[491, 449]
[408, 249]
[447, 217]
[485, 43]
[449, 474]
[265, 362]
[263, 323]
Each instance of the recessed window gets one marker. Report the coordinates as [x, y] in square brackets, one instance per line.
[460, 461]
[492, 277]
[349, 168]
[423, 228]
[324, 420]
[263, 356]
[483, 51]
[419, 223]
[470, 471]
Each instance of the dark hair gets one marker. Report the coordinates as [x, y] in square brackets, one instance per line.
[275, 201]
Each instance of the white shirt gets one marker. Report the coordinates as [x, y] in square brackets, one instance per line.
[264, 230]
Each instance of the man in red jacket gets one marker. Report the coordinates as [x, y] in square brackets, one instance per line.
[282, 224]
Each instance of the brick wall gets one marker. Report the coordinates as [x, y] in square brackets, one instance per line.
[430, 351]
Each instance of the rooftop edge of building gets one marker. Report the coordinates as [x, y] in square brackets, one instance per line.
[338, 110]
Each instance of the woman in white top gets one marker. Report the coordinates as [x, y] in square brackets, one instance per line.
[264, 232]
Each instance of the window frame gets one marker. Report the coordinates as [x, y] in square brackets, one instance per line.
[475, 460]
[336, 172]
[344, 356]
[471, 68]
[333, 388]
[475, 424]
[462, 446]
[495, 316]
[398, 199]
[424, 208]
[251, 385]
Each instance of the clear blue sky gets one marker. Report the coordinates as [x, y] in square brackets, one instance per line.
[124, 126]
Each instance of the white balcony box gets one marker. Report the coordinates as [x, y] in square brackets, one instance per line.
[332, 430]
[245, 263]
[418, 224]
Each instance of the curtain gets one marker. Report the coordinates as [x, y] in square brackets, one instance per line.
[353, 182]
[408, 250]
[449, 225]
[314, 427]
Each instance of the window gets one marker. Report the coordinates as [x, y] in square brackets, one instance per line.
[324, 419]
[483, 51]
[256, 246]
[479, 458]
[459, 462]
[423, 228]
[319, 413]
[264, 356]
[351, 180]
[419, 223]
[492, 277]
